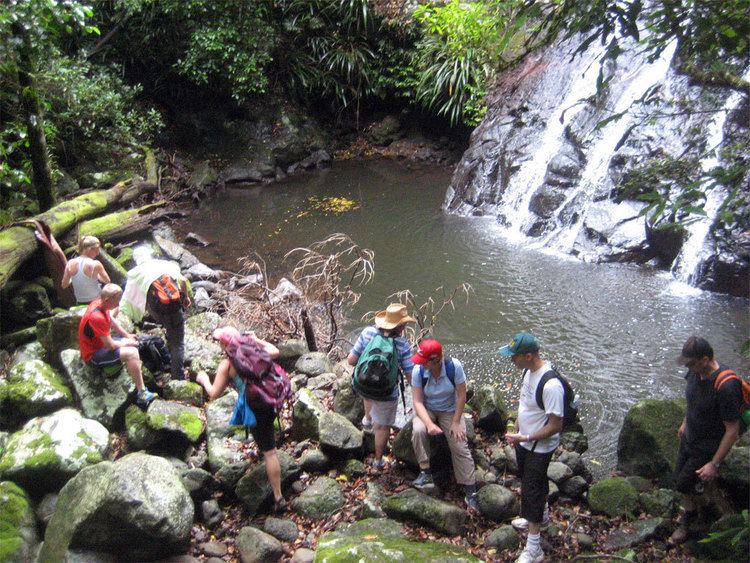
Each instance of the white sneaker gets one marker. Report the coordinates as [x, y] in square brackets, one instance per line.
[366, 423]
[529, 555]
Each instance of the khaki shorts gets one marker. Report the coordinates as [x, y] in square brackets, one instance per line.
[384, 412]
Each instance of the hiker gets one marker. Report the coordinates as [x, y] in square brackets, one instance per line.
[263, 431]
[708, 431]
[159, 288]
[85, 272]
[100, 350]
[381, 414]
[536, 436]
[439, 395]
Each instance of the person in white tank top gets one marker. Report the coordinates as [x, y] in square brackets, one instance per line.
[85, 273]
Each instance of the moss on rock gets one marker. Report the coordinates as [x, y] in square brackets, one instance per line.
[614, 496]
[17, 527]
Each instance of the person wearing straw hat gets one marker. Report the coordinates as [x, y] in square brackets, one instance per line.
[389, 323]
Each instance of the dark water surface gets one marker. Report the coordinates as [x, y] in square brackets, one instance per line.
[614, 330]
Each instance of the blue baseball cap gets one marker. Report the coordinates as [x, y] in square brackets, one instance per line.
[522, 343]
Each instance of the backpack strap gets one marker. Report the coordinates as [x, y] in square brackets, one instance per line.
[723, 377]
[539, 394]
[450, 371]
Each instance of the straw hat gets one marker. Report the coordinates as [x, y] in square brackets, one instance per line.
[394, 315]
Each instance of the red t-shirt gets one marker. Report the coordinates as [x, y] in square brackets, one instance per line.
[98, 321]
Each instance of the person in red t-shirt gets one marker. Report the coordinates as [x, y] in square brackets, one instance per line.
[99, 349]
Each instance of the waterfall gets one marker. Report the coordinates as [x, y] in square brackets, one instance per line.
[694, 250]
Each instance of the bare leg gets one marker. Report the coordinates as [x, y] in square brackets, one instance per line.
[129, 356]
[273, 471]
[381, 439]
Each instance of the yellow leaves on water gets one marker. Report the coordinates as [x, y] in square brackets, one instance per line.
[335, 205]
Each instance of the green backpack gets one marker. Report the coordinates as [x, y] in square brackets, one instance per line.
[376, 374]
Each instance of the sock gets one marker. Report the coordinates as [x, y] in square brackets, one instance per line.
[426, 471]
[533, 542]
[470, 489]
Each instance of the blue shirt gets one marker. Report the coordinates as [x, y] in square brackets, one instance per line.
[439, 395]
[402, 347]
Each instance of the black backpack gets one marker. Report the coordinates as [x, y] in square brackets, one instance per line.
[154, 353]
[570, 404]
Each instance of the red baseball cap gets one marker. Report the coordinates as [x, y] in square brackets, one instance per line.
[428, 349]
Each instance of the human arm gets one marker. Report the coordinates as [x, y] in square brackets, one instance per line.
[711, 469]
[554, 426]
[68, 274]
[100, 273]
[457, 429]
[220, 382]
[420, 410]
[351, 359]
[124, 333]
[681, 429]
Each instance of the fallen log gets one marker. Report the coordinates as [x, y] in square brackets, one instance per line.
[15, 339]
[120, 225]
[18, 243]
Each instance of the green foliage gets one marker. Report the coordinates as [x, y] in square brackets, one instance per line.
[738, 536]
[463, 46]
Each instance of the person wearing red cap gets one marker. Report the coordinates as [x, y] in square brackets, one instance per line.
[439, 395]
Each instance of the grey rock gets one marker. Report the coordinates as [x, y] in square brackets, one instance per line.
[59, 332]
[502, 538]
[306, 416]
[281, 529]
[496, 502]
[202, 272]
[585, 541]
[211, 514]
[346, 402]
[32, 388]
[574, 461]
[140, 496]
[31, 351]
[314, 461]
[385, 131]
[290, 351]
[50, 450]
[195, 239]
[575, 487]
[662, 503]
[184, 391]
[256, 546]
[199, 483]
[374, 497]
[734, 475]
[320, 500]
[636, 533]
[402, 448]
[166, 426]
[46, 508]
[284, 291]
[323, 381]
[354, 468]
[223, 446]
[213, 549]
[338, 436]
[176, 252]
[574, 441]
[313, 364]
[559, 472]
[492, 414]
[411, 505]
[230, 474]
[303, 555]
[254, 490]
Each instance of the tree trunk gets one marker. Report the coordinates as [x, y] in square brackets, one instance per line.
[40, 163]
[18, 243]
[120, 225]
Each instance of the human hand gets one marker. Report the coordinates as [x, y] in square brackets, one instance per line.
[708, 471]
[434, 430]
[457, 431]
[681, 431]
[515, 438]
[187, 301]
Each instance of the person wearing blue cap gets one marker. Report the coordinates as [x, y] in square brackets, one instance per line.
[536, 436]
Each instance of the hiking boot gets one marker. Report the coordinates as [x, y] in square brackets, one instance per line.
[472, 505]
[682, 533]
[424, 479]
[366, 423]
[529, 555]
[144, 397]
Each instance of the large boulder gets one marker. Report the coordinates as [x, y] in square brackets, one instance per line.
[256, 546]
[734, 476]
[254, 490]
[24, 303]
[184, 391]
[306, 415]
[346, 402]
[59, 332]
[290, 351]
[102, 397]
[375, 540]
[313, 364]
[338, 437]
[413, 506]
[49, 450]
[201, 352]
[166, 426]
[18, 535]
[496, 502]
[492, 414]
[638, 532]
[31, 389]
[319, 500]
[222, 440]
[136, 508]
[614, 496]
[648, 441]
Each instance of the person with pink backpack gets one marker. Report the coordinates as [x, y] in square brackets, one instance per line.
[250, 368]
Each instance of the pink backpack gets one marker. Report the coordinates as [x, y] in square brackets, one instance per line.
[266, 382]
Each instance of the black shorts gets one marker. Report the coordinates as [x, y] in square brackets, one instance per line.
[105, 357]
[263, 432]
[532, 468]
[688, 462]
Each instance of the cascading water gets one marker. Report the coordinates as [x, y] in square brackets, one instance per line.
[694, 250]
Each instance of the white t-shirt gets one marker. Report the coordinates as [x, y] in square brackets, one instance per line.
[530, 417]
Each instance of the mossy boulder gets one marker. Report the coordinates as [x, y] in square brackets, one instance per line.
[18, 534]
[321, 499]
[313, 364]
[385, 131]
[574, 442]
[201, 352]
[314, 461]
[497, 502]
[413, 506]
[125, 258]
[59, 332]
[502, 538]
[306, 416]
[49, 450]
[492, 413]
[402, 448]
[377, 540]
[346, 402]
[135, 508]
[661, 502]
[614, 496]
[734, 476]
[354, 468]
[31, 389]
[103, 397]
[223, 442]
[31, 351]
[254, 490]
[338, 437]
[648, 443]
[185, 392]
[24, 303]
[166, 426]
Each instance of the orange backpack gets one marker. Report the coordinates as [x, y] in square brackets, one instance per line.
[164, 293]
[728, 375]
